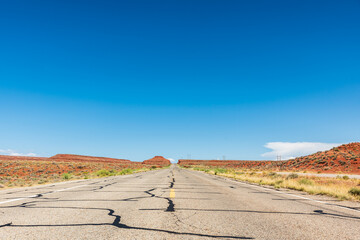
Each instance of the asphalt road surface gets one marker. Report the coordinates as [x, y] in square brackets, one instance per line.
[171, 204]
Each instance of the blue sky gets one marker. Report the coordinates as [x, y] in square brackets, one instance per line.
[133, 79]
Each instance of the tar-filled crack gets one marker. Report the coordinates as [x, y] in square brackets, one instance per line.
[171, 206]
[110, 212]
[149, 192]
[116, 223]
[106, 185]
[178, 221]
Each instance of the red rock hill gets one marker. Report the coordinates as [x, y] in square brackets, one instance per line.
[17, 158]
[224, 163]
[81, 158]
[157, 161]
[345, 158]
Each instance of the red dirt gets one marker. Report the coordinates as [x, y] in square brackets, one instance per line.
[342, 159]
[157, 161]
[13, 168]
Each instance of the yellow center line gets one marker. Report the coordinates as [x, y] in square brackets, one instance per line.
[172, 193]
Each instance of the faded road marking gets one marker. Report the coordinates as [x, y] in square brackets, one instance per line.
[33, 196]
[172, 193]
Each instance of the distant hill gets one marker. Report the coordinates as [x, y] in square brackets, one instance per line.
[81, 158]
[345, 158]
[225, 163]
[17, 158]
[157, 161]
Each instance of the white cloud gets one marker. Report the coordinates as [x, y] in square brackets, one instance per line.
[172, 160]
[13, 153]
[289, 150]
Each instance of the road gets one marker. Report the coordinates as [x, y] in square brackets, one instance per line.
[171, 204]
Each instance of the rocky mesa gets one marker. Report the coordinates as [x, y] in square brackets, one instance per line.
[157, 161]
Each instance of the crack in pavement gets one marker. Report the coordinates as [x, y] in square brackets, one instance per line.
[111, 212]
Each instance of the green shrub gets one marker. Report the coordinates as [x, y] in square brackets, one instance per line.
[342, 163]
[126, 171]
[306, 181]
[292, 176]
[102, 173]
[345, 177]
[42, 181]
[66, 176]
[355, 191]
[220, 170]
[272, 175]
[279, 182]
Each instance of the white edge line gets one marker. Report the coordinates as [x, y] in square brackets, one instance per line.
[290, 194]
[61, 190]
[294, 195]
[32, 196]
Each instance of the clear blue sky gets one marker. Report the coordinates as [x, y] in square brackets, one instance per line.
[133, 79]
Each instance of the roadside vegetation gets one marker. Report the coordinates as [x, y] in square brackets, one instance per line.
[30, 173]
[344, 159]
[342, 188]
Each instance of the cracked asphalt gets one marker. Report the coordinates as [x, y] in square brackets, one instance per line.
[171, 204]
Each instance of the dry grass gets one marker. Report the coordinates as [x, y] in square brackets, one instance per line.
[341, 188]
[12, 181]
